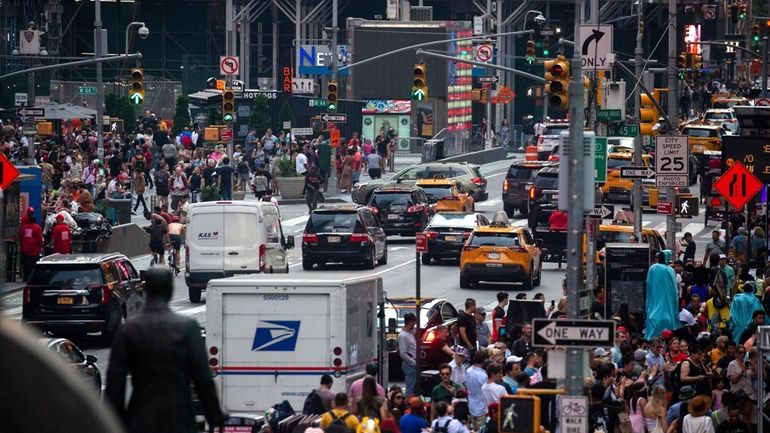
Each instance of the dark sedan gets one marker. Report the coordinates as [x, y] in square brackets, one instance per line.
[448, 231]
[72, 355]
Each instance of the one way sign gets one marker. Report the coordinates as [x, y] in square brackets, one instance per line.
[595, 45]
[602, 211]
[573, 333]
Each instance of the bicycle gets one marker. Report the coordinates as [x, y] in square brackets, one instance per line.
[155, 259]
[172, 261]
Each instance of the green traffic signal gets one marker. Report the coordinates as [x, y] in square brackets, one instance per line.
[530, 60]
[546, 51]
[227, 117]
[331, 107]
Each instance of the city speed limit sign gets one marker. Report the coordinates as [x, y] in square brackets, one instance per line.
[671, 160]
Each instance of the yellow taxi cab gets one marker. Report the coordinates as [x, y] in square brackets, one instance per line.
[703, 137]
[447, 195]
[725, 100]
[501, 253]
[616, 233]
[616, 189]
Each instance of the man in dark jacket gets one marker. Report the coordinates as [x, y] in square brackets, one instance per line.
[163, 352]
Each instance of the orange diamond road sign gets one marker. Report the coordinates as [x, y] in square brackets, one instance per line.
[738, 185]
[8, 172]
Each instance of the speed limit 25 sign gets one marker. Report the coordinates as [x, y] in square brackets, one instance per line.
[671, 160]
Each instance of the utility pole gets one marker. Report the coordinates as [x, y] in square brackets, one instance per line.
[230, 50]
[575, 357]
[638, 70]
[764, 66]
[672, 113]
[98, 51]
[332, 184]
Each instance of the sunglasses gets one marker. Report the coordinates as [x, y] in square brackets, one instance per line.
[445, 374]
[399, 397]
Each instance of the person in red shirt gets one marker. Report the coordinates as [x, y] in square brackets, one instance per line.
[31, 243]
[61, 236]
[558, 220]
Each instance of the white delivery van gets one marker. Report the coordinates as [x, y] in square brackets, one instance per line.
[277, 243]
[225, 238]
[270, 340]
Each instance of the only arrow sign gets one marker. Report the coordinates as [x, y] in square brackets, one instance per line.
[636, 173]
[596, 36]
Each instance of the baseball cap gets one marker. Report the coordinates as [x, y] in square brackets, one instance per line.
[30, 210]
[722, 256]
[639, 355]
[59, 217]
[666, 334]
[460, 350]
[601, 352]
[621, 329]
[514, 359]
[481, 310]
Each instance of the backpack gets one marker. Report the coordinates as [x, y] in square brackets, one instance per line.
[279, 412]
[676, 377]
[243, 167]
[338, 424]
[435, 428]
[161, 180]
[313, 404]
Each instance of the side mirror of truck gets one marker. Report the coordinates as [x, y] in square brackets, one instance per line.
[290, 243]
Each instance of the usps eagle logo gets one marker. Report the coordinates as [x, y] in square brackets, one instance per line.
[276, 336]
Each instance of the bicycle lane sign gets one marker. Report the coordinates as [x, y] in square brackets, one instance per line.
[573, 412]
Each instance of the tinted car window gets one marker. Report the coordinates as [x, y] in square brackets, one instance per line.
[110, 272]
[436, 192]
[613, 163]
[543, 181]
[718, 116]
[387, 199]
[321, 222]
[699, 132]
[555, 129]
[495, 239]
[70, 276]
[522, 173]
[369, 219]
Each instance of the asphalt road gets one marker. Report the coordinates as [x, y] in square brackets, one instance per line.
[437, 280]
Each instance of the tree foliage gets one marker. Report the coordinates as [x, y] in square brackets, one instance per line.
[286, 114]
[181, 114]
[259, 119]
[122, 108]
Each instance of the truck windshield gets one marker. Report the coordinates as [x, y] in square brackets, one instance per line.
[321, 222]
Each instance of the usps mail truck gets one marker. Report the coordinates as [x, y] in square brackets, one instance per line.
[270, 340]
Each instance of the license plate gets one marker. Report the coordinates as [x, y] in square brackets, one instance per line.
[450, 238]
[65, 300]
[494, 265]
[333, 239]
[493, 256]
[393, 216]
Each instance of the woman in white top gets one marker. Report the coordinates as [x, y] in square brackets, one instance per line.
[697, 421]
[655, 410]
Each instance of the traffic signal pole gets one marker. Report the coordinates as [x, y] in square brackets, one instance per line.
[764, 66]
[672, 115]
[99, 80]
[638, 69]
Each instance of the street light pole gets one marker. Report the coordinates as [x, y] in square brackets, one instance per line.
[638, 70]
[99, 84]
[764, 66]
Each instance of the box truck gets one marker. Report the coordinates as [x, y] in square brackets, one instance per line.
[270, 340]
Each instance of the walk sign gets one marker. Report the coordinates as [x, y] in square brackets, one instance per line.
[8, 172]
[738, 185]
[519, 414]
[686, 206]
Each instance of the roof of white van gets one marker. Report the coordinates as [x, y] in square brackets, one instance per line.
[224, 202]
[261, 280]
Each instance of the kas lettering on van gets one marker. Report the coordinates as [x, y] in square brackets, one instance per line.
[276, 336]
[208, 236]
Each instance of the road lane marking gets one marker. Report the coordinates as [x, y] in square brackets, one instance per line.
[12, 311]
[295, 221]
[192, 311]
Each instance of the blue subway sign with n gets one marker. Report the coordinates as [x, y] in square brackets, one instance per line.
[276, 336]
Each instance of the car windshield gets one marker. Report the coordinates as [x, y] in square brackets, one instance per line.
[543, 181]
[69, 276]
[555, 129]
[437, 192]
[613, 163]
[495, 239]
[321, 222]
[443, 219]
[522, 173]
[700, 132]
[387, 199]
[418, 172]
[718, 116]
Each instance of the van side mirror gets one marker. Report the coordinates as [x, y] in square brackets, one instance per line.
[290, 243]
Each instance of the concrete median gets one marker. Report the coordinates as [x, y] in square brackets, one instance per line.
[129, 239]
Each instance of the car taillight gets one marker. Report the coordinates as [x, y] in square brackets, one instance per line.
[415, 209]
[532, 193]
[466, 235]
[309, 238]
[479, 181]
[505, 185]
[430, 234]
[262, 254]
[470, 247]
[429, 336]
[518, 249]
[359, 237]
[26, 296]
[375, 210]
[716, 202]
[106, 293]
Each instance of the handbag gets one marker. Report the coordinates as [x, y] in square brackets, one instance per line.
[625, 423]
[658, 428]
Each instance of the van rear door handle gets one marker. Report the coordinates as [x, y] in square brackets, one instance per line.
[233, 253]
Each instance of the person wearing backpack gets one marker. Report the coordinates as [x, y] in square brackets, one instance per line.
[445, 422]
[320, 399]
[339, 420]
[414, 421]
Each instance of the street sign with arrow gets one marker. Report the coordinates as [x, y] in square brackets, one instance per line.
[336, 118]
[602, 211]
[573, 333]
[488, 79]
[635, 172]
[30, 112]
[595, 44]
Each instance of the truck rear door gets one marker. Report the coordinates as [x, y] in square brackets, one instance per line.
[206, 238]
[270, 352]
[242, 241]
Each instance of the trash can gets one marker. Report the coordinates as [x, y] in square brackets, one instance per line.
[119, 210]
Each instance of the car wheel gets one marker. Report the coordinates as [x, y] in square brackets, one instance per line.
[372, 262]
[425, 259]
[195, 294]
[384, 259]
[307, 265]
[529, 281]
[539, 278]
[465, 282]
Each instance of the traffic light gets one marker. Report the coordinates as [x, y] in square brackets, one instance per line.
[557, 82]
[681, 61]
[743, 12]
[135, 88]
[331, 96]
[228, 105]
[546, 47]
[648, 113]
[531, 52]
[755, 36]
[420, 85]
[697, 61]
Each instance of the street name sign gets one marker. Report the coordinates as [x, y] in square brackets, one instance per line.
[672, 160]
[609, 115]
[602, 211]
[488, 79]
[8, 172]
[738, 185]
[595, 44]
[336, 118]
[573, 333]
[87, 90]
[30, 112]
[636, 172]
[317, 103]
[622, 130]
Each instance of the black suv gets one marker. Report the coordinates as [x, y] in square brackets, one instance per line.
[543, 196]
[344, 233]
[82, 293]
[402, 209]
[516, 185]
